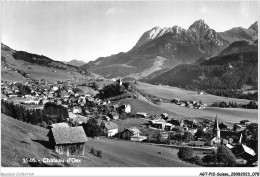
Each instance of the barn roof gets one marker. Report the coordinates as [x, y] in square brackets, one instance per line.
[243, 149]
[69, 135]
[134, 130]
[111, 125]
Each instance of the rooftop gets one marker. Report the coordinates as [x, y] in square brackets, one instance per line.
[69, 135]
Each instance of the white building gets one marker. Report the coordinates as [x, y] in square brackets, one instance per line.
[109, 128]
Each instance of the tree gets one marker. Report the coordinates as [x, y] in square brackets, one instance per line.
[187, 136]
[93, 151]
[93, 85]
[225, 156]
[54, 112]
[200, 133]
[207, 159]
[252, 129]
[92, 129]
[197, 160]
[185, 153]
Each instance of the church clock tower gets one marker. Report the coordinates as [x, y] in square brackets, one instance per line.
[216, 130]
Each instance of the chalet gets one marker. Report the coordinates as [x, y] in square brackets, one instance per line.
[109, 128]
[190, 123]
[182, 104]
[158, 123]
[175, 100]
[125, 108]
[193, 130]
[119, 82]
[164, 135]
[68, 141]
[245, 122]
[113, 115]
[141, 114]
[129, 132]
[77, 110]
[168, 127]
[104, 117]
[165, 116]
[78, 119]
[238, 127]
[243, 151]
[175, 122]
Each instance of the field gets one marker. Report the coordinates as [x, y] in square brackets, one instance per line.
[20, 140]
[143, 105]
[224, 114]
[9, 75]
[124, 153]
[168, 92]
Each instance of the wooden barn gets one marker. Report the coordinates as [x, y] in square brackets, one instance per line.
[68, 141]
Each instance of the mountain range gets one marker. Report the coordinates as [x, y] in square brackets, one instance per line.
[161, 49]
[75, 62]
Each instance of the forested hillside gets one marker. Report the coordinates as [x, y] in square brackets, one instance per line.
[222, 75]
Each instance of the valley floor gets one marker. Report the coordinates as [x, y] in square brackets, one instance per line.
[224, 114]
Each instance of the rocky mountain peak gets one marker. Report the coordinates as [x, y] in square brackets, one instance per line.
[199, 25]
[199, 30]
[254, 26]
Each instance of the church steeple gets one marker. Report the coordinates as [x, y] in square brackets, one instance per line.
[216, 130]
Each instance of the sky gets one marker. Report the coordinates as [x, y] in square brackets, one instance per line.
[87, 30]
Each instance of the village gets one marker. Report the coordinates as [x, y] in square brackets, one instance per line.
[93, 114]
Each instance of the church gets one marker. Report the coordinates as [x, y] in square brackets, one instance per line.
[216, 134]
[226, 137]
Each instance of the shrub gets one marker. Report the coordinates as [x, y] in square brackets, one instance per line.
[225, 156]
[197, 160]
[185, 153]
[208, 158]
[93, 151]
[99, 153]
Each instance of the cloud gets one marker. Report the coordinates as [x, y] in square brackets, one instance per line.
[204, 9]
[114, 11]
[244, 8]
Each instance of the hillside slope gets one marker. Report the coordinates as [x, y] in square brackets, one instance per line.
[20, 65]
[223, 72]
[240, 47]
[21, 140]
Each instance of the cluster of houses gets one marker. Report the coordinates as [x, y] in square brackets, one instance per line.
[69, 140]
[189, 104]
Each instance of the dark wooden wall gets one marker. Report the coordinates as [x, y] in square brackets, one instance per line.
[76, 149]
